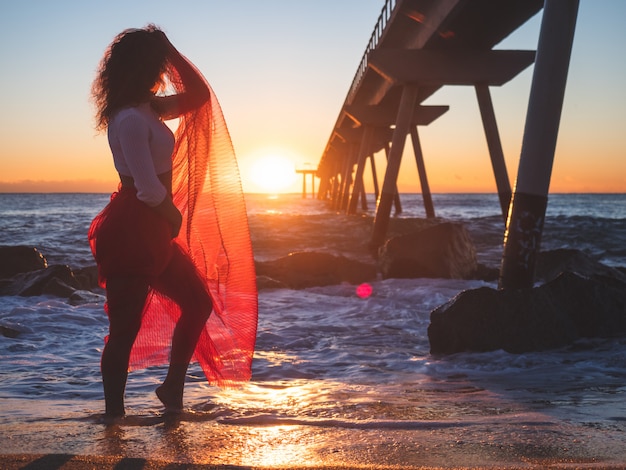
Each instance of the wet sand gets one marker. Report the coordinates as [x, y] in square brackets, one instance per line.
[83, 462]
[197, 442]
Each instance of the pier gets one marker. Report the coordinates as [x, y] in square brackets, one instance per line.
[418, 47]
[305, 173]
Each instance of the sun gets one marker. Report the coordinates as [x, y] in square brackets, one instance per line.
[272, 173]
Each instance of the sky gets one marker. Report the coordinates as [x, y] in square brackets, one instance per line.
[281, 70]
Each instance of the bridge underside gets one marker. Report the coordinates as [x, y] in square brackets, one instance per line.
[418, 47]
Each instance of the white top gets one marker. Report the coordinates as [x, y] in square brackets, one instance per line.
[142, 147]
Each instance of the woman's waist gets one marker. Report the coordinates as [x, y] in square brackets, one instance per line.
[128, 182]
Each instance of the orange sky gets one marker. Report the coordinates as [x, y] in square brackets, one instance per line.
[281, 97]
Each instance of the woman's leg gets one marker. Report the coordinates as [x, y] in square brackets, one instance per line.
[181, 284]
[126, 297]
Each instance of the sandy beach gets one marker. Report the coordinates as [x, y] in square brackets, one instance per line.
[82, 462]
[203, 440]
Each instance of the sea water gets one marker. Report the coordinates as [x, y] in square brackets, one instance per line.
[336, 377]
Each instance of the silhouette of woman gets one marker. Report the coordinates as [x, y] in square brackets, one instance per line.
[178, 285]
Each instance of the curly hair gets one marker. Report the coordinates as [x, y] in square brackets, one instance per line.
[132, 64]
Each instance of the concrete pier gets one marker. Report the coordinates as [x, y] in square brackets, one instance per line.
[418, 47]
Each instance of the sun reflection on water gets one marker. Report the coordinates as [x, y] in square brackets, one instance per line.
[272, 399]
[278, 446]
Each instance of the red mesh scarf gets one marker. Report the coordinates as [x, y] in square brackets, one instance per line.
[215, 234]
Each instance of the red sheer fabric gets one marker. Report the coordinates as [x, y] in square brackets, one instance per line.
[207, 190]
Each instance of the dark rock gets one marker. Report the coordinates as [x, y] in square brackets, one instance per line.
[20, 259]
[307, 269]
[442, 251]
[56, 287]
[9, 332]
[87, 277]
[554, 262]
[79, 297]
[553, 315]
[55, 280]
[265, 282]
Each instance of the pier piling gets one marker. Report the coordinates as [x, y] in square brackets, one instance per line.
[530, 199]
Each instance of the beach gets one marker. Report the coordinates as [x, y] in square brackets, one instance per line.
[339, 381]
[193, 442]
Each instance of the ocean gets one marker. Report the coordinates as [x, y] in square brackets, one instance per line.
[337, 379]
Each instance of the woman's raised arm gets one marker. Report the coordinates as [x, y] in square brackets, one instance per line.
[196, 91]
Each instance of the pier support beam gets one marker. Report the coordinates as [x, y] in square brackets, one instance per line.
[528, 205]
[421, 170]
[336, 183]
[495, 147]
[343, 181]
[403, 127]
[396, 198]
[374, 176]
[346, 181]
[358, 187]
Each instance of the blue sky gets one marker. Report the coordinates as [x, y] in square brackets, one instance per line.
[281, 70]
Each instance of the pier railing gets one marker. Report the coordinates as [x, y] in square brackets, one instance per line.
[381, 24]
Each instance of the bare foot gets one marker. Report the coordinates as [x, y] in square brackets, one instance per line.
[172, 400]
[110, 419]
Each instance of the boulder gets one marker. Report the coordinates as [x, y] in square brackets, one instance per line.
[266, 282]
[79, 297]
[9, 332]
[55, 280]
[442, 251]
[87, 278]
[552, 315]
[307, 269]
[20, 259]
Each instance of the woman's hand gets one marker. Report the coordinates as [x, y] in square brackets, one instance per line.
[195, 89]
[168, 210]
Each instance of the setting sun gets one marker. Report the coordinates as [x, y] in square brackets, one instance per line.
[272, 173]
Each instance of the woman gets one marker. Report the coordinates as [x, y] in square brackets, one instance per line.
[178, 286]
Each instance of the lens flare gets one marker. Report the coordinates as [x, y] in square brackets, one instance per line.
[364, 290]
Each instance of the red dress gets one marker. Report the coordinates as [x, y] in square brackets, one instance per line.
[129, 238]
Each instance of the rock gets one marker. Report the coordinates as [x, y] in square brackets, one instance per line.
[87, 277]
[9, 332]
[552, 315]
[307, 269]
[552, 263]
[442, 251]
[56, 280]
[266, 282]
[56, 287]
[79, 297]
[20, 259]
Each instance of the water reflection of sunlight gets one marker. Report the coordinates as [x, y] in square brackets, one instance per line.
[279, 446]
[272, 398]
[266, 422]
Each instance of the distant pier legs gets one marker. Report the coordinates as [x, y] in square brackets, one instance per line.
[495, 147]
[304, 174]
[403, 127]
[530, 199]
